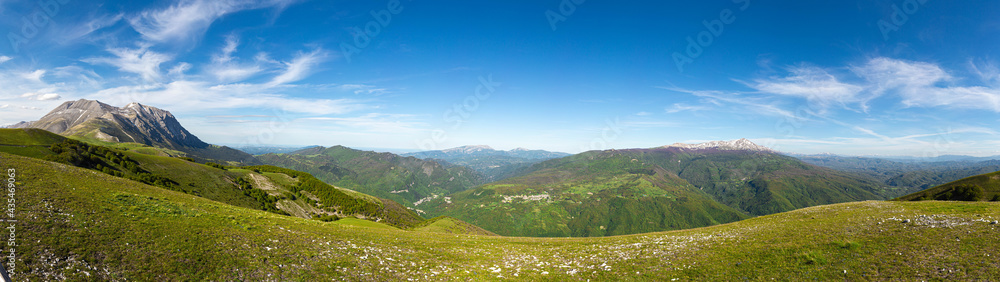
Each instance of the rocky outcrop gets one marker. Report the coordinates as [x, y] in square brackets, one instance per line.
[133, 123]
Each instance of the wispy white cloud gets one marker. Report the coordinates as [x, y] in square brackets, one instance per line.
[299, 68]
[915, 84]
[28, 90]
[987, 72]
[814, 84]
[70, 33]
[363, 89]
[24, 93]
[179, 70]
[189, 19]
[41, 96]
[4, 59]
[226, 68]
[921, 84]
[35, 75]
[758, 105]
[920, 145]
[681, 107]
[199, 97]
[235, 73]
[232, 42]
[140, 61]
[376, 122]
[648, 124]
[79, 74]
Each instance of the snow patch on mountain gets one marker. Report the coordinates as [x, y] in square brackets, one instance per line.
[736, 145]
[469, 149]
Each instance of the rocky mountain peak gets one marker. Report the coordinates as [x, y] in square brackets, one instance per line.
[741, 145]
[133, 123]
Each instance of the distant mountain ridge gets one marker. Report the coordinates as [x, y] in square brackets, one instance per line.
[740, 144]
[484, 150]
[493, 164]
[137, 123]
[910, 176]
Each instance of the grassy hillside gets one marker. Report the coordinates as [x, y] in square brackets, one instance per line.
[586, 195]
[264, 188]
[34, 142]
[451, 225]
[28, 142]
[985, 187]
[207, 153]
[78, 224]
[404, 179]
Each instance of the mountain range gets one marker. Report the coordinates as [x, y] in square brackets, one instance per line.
[493, 164]
[908, 176]
[96, 205]
[617, 192]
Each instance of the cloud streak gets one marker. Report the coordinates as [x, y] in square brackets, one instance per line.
[299, 68]
[813, 84]
[926, 85]
[190, 19]
[914, 84]
[139, 61]
[376, 122]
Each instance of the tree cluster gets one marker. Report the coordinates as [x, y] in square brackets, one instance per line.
[106, 160]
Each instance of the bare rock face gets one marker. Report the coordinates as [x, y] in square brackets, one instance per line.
[133, 123]
[67, 115]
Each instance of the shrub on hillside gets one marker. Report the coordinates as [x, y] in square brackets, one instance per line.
[215, 165]
[964, 192]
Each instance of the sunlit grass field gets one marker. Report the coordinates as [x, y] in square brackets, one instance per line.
[78, 224]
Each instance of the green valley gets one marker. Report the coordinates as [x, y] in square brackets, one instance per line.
[407, 180]
[617, 192]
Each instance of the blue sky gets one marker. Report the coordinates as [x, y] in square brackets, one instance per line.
[916, 77]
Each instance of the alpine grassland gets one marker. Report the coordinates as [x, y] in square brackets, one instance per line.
[79, 224]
